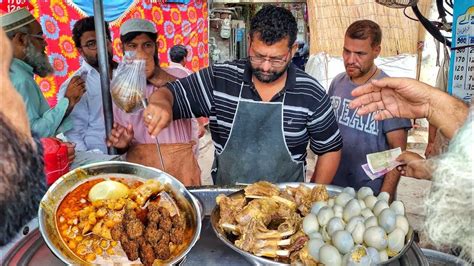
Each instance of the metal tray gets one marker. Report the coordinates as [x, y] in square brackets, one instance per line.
[209, 250]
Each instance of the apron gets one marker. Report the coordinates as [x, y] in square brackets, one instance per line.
[178, 158]
[256, 149]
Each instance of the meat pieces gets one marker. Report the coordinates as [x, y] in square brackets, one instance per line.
[153, 212]
[166, 224]
[162, 250]
[151, 236]
[262, 188]
[117, 231]
[177, 232]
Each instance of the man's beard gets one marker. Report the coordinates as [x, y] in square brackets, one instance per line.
[268, 77]
[38, 61]
[22, 180]
[361, 73]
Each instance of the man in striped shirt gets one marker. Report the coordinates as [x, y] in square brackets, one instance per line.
[262, 110]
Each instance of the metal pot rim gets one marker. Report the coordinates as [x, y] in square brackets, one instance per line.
[332, 190]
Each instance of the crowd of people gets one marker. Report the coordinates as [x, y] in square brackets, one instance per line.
[263, 113]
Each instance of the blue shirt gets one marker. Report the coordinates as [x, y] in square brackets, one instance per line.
[44, 120]
[361, 135]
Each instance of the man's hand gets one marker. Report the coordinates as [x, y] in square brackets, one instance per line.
[74, 91]
[71, 152]
[120, 136]
[413, 166]
[159, 78]
[157, 116]
[393, 97]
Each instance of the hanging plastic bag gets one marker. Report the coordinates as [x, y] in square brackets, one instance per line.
[129, 83]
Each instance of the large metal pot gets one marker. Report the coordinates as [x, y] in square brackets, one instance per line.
[256, 260]
[65, 184]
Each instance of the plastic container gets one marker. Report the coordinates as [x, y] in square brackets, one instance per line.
[56, 161]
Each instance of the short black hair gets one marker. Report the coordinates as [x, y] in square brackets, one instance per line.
[132, 35]
[84, 25]
[364, 29]
[178, 53]
[274, 24]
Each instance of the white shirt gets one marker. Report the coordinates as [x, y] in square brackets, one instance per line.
[88, 132]
[179, 66]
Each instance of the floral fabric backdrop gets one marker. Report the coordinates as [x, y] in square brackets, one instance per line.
[176, 24]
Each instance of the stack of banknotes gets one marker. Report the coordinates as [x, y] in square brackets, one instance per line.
[380, 163]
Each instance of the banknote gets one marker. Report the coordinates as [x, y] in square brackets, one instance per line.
[380, 161]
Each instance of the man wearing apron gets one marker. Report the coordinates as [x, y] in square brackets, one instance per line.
[263, 110]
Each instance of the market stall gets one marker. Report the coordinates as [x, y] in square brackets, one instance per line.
[118, 212]
[209, 246]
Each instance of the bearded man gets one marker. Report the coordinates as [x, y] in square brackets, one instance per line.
[263, 110]
[29, 58]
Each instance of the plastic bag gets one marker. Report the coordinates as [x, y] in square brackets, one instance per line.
[129, 83]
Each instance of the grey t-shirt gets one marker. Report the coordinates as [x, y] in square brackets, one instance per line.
[361, 135]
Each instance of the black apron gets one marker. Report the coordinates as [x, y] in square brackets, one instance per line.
[256, 149]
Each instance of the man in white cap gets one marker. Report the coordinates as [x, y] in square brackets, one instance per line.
[130, 133]
[29, 58]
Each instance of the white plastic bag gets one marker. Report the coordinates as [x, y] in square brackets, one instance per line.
[129, 83]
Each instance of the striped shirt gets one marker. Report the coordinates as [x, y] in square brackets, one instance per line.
[214, 92]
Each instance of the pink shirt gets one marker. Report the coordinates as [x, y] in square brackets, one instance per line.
[179, 131]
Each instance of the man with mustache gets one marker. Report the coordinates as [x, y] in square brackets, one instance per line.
[363, 134]
[88, 132]
[263, 110]
[29, 58]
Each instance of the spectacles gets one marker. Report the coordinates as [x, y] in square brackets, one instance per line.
[91, 45]
[275, 62]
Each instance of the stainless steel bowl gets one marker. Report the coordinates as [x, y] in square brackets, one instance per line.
[56, 193]
[256, 260]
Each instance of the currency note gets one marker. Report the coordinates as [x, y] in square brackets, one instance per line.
[381, 173]
[380, 161]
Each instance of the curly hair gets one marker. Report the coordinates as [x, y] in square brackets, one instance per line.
[84, 25]
[364, 29]
[273, 24]
[178, 53]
